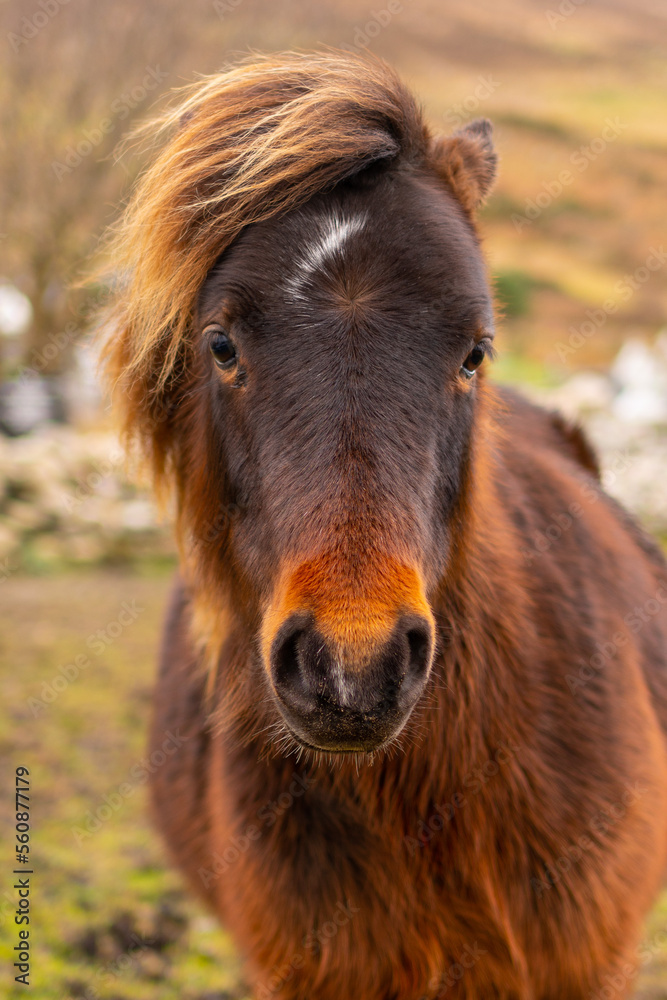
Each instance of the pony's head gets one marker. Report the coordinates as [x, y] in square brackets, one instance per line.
[298, 350]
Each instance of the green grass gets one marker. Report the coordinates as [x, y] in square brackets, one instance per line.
[109, 917]
[514, 369]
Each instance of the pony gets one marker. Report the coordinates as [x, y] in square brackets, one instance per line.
[423, 734]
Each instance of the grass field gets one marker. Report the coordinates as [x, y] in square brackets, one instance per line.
[110, 921]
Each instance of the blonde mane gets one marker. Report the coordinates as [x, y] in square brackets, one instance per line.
[239, 147]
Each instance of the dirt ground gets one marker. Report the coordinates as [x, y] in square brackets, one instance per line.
[110, 921]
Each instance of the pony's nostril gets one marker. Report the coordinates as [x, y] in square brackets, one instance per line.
[286, 659]
[419, 649]
[419, 638]
[289, 670]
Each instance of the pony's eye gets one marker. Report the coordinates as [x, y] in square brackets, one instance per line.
[474, 360]
[221, 347]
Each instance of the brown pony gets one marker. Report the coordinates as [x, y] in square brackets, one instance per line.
[416, 655]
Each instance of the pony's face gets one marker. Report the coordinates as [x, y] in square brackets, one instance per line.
[340, 345]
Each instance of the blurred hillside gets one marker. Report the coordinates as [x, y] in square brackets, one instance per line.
[577, 90]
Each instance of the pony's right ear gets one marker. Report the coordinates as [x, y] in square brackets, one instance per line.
[467, 162]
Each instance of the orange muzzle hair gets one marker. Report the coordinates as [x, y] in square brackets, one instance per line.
[355, 609]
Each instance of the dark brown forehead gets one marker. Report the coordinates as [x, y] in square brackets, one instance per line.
[402, 243]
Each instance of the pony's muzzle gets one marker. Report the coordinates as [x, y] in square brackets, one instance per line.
[333, 699]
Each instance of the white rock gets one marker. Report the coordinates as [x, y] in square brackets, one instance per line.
[641, 405]
[638, 366]
[15, 311]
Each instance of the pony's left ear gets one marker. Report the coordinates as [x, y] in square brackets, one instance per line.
[467, 162]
